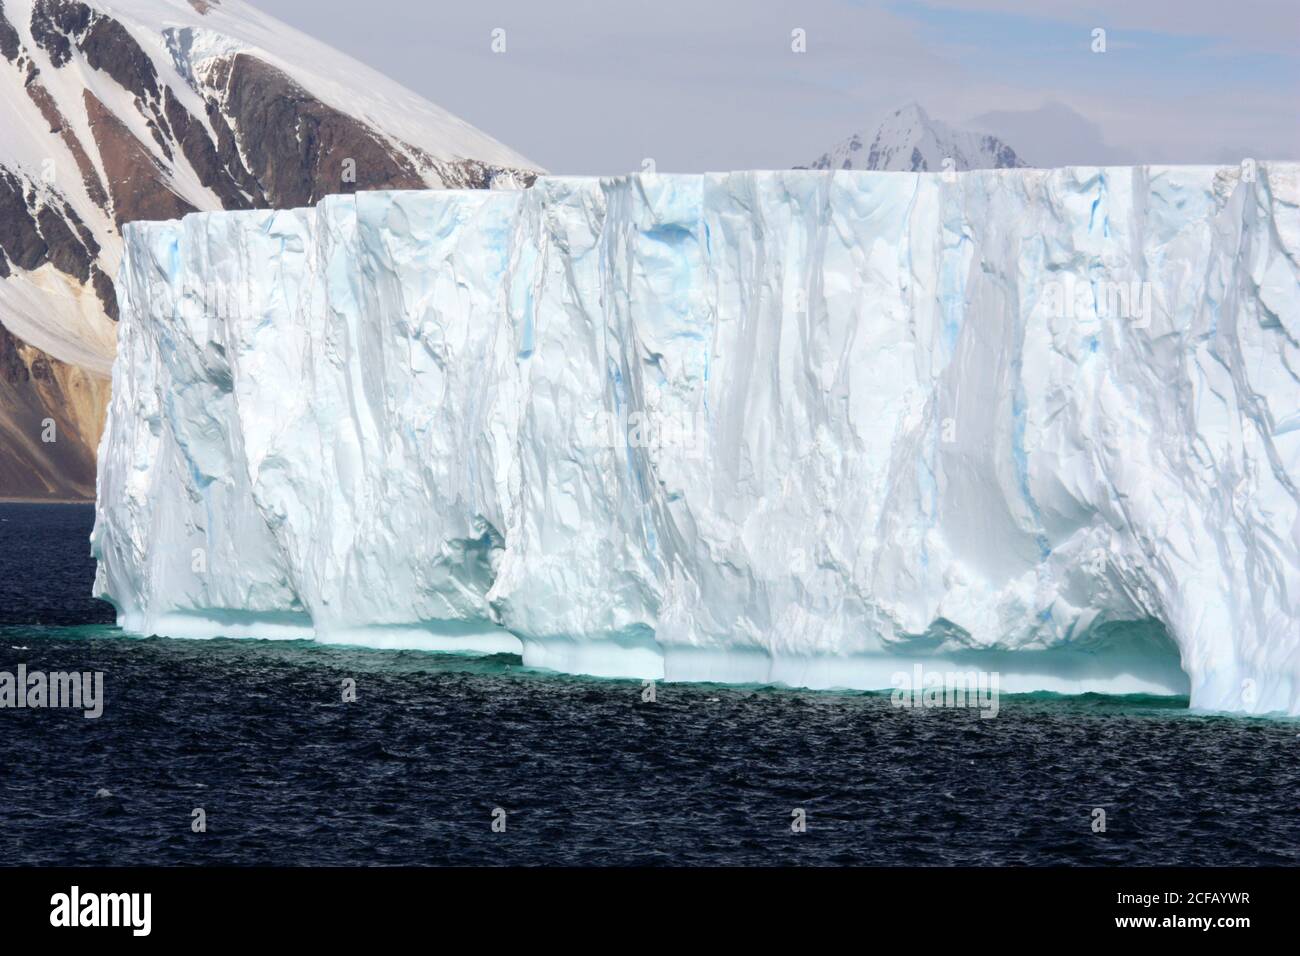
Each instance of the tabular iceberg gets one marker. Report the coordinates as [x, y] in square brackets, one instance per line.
[800, 427]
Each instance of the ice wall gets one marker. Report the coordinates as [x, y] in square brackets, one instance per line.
[793, 426]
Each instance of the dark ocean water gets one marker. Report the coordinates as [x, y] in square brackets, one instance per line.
[257, 735]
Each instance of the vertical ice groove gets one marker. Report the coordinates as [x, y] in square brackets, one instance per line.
[801, 427]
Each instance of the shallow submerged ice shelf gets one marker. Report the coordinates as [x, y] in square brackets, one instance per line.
[801, 426]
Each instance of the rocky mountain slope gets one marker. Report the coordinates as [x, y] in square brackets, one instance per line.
[148, 110]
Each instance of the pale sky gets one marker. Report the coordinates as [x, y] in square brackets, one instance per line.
[588, 87]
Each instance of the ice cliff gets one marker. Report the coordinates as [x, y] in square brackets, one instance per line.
[801, 427]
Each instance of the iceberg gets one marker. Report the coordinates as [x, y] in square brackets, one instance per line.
[800, 427]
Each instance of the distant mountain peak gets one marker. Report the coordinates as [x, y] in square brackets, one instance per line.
[909, 140]
[912, 110]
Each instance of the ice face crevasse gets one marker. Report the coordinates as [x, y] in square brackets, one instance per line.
[801, 427]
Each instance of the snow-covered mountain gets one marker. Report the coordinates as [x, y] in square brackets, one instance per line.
[909, 140]
[149, 109]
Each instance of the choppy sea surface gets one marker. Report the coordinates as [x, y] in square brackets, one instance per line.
[258, 736]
